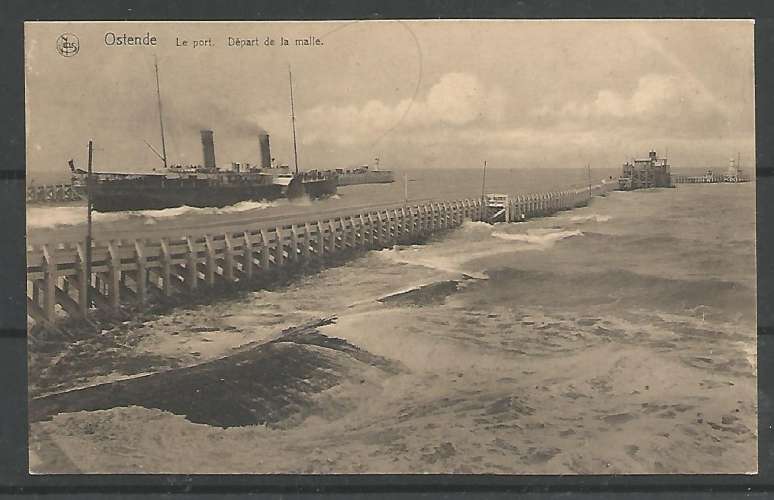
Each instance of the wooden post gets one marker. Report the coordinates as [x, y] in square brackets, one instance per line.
[142, 274]
[293, 249]
[247, 256]
[265, 250]
[115, 275]
[49, 284]
[345, 236]
[397, 226]
[210, 262]
[279, 255]
[320, 239]
[363, 238]
[84, 280]
[379, 228]
[166, 267]
[228, 259]
[371, 231]
[191, 264]
[332, 244]
[307, 242]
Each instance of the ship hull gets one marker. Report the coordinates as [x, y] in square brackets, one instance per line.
[117, 199]
[313, 188]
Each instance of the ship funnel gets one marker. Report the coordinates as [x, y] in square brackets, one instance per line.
[208, 149]
[263, 141]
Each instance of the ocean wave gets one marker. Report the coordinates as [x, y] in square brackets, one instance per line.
[541, 237]
[437, 260]
[48, 217]
[592, 217]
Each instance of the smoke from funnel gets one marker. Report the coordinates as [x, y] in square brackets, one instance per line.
[208, 148]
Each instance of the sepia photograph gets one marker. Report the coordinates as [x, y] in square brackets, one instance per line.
[500, 247]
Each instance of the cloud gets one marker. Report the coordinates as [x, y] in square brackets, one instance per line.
[455, 100]
[666, 101]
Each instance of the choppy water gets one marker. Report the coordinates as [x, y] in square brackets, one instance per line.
[615, 338]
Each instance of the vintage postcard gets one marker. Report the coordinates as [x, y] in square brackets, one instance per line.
[487, 247]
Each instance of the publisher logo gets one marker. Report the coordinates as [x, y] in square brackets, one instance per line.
[68, 44]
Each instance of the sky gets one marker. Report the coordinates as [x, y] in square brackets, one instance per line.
[416, 94]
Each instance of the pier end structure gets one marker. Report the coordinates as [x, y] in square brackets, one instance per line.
[517, 208]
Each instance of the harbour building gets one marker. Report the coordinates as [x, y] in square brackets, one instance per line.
[644, 173]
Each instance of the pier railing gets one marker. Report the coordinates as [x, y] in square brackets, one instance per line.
[130, 275]
[708, 178]
[515, 208]
[52, 193]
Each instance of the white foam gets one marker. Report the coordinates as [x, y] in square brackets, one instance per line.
[47, 217]
[426, 257]
[592, 217]
[541, 237]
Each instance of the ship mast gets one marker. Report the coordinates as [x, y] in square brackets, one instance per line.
[293, 120]
[161, 118]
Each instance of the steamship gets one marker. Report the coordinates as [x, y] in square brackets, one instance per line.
[202, 185]
[364, 175]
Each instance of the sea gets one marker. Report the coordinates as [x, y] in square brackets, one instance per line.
[615, 338]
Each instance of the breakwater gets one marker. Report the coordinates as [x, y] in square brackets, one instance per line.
[52, 193]
[708, 178]
[129, 275]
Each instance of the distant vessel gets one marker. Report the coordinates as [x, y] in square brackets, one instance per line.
[203, 185]
[363, 175]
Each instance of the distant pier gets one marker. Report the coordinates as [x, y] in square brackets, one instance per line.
[130, 275]
[708, 178]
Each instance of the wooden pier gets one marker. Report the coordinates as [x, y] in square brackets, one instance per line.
[510, 208]
[50, 193]
[708, 178]
[130, 275]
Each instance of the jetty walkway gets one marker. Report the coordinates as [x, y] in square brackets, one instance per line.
[128, 275]
[708, 178]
